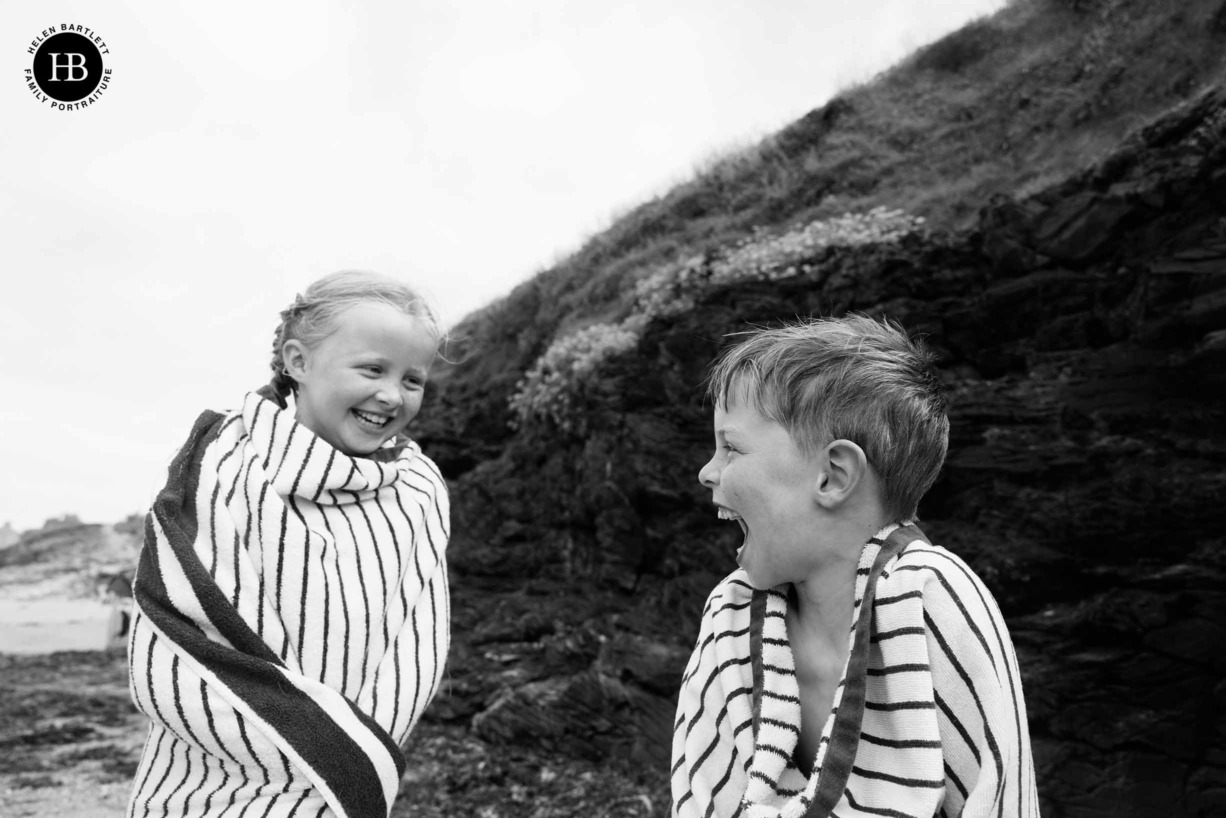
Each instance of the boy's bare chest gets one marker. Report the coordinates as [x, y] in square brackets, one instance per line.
[817, 677]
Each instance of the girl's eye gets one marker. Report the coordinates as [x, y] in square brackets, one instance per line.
[372, 370]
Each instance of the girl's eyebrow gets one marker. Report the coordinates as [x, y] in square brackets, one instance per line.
[367, 358]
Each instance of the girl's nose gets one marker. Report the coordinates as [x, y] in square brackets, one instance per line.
[708, 475]
[389, 395]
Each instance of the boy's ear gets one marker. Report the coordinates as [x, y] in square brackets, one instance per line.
[294, 354]
[843, 466]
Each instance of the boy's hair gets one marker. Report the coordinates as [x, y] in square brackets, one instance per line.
[313, 315]
[852, 378]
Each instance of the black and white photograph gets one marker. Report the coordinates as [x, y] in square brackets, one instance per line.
[797, 409]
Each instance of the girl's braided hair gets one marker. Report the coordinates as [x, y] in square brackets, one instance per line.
[313, 316]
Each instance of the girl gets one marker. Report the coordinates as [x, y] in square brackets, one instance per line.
[291, 618]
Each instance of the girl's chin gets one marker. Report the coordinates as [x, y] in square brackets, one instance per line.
[362, 446]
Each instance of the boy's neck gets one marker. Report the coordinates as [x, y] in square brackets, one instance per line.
[822, 607]
[824, 602]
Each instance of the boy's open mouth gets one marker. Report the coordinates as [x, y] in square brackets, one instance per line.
[725, 513]
[371, 421]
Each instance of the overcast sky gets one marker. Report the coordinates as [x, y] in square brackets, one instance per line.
[241, 150]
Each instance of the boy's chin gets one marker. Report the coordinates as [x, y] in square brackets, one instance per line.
[751, 573]
[758, 582]
[759, 577]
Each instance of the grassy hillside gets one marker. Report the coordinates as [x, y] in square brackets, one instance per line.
[1040, 195]
[1009, 104]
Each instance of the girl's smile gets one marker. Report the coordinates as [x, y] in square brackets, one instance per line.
[373, 420]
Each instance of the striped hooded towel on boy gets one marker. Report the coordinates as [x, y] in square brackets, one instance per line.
[291, 621]
[928, 717]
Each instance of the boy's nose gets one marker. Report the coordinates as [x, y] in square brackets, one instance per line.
[708, 475]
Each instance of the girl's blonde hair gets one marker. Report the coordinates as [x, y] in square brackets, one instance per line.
[314, 313]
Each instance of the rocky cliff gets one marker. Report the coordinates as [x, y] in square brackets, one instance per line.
[1082, 335]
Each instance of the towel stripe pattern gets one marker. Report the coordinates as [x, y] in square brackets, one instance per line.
[928, 718]
[290, 624]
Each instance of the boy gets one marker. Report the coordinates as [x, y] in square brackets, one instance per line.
[849, 666]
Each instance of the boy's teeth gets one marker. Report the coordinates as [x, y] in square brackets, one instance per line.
[369, 418]
[726, 514]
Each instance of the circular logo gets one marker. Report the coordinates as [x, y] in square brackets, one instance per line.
[68, 67]
[67, 71]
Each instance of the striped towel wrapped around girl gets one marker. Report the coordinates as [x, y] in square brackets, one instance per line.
[291, 621]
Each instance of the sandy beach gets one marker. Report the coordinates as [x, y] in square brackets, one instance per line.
[71, 738]
[48, 625]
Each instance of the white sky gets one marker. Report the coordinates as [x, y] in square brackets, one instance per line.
[244, 149]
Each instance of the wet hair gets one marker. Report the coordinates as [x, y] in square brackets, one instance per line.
[313, 316]
[852, 378]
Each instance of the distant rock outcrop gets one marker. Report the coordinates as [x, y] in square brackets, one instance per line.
[65, 560]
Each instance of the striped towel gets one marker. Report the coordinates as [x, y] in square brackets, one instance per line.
[291, 621]
[928, 717]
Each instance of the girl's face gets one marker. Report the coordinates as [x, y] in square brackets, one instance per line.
[761, 479]
[361, 385]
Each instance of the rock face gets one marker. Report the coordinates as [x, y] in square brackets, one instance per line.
[1082, 335]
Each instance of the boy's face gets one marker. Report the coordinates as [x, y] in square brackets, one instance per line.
[361, 385]
[761, 478]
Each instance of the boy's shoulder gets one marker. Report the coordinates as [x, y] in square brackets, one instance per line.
[923, 557]
[935, 571]
[921, 562]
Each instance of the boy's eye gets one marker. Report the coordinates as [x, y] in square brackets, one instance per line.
[372, 369]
